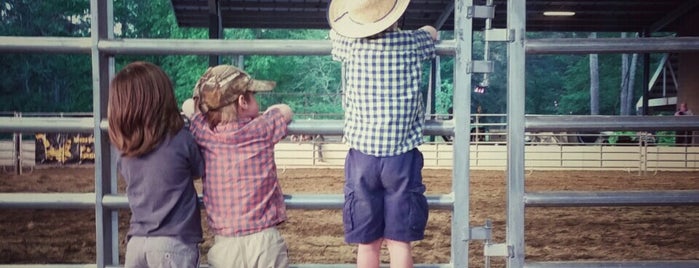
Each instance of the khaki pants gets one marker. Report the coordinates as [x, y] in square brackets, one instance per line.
[264, 249]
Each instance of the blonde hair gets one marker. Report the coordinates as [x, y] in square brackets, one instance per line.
[222, 115]
[142, 109]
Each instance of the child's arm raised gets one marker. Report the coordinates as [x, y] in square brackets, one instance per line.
[431, 30]
[284, 109]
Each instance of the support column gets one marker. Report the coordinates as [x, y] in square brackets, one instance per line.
[215, 28]
[688, 90]
[688, 66]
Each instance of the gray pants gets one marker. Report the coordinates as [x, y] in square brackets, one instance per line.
[160, 252]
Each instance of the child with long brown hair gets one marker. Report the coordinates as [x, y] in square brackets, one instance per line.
[159, 161]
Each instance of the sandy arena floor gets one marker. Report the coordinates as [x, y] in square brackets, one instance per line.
[563, 234]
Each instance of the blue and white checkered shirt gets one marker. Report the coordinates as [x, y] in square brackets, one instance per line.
[384, 114]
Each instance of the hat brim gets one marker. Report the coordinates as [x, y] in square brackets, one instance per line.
[342, 23]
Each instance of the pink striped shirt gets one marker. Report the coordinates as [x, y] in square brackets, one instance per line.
[242, 194]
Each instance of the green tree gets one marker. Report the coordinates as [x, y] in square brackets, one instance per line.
[40, 82]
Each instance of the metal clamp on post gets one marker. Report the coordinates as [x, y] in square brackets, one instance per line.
[498, 250]
[499, 35]
[480, 66]
[481, 232]
[481, 12]
[485, 83]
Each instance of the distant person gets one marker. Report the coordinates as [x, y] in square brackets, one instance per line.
[384, 119]
[243, 198]
[683, 110]
[317, 140]
[159, 161]
[683, 136]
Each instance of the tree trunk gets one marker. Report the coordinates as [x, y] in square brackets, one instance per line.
[624, 87]
[632, 75]
[594, 81]
[628, 70]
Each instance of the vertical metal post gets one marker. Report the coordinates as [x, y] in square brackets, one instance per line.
[463, 58]
[17, 154]
[646, 80]
[431, 91]
[516, 23]
[215, 28]
[240, 61]
[106, 221]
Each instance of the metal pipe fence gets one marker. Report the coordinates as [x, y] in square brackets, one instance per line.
[102, 47]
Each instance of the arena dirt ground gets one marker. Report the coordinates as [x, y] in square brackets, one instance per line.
[552, 234]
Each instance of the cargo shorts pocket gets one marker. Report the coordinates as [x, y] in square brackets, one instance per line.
[347, 212]
[419, 212]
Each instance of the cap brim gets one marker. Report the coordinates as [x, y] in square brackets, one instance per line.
[341, 22]
[261, 85]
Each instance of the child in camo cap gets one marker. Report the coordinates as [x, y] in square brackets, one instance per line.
[243, 198]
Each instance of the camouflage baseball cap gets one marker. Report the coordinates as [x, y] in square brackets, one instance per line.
[221, 85]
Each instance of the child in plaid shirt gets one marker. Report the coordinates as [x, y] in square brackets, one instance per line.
[384, 117]
[242, 195]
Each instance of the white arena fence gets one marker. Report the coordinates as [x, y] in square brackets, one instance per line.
[638, 152]
[636, 158]
[289, 154]
[102, 46]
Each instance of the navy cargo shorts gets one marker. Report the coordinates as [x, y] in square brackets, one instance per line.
[384, 197]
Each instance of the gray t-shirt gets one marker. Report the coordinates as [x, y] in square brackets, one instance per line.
[160, 189]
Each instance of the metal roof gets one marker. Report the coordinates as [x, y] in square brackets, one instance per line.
[591, 15]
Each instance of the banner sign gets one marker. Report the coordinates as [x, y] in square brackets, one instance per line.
[63, 148]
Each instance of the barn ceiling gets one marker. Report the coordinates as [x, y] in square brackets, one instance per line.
[590, 15]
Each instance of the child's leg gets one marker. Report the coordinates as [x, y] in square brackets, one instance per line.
[400, 253]
[368, 254]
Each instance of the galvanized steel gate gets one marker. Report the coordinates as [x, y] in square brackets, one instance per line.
[106, 202]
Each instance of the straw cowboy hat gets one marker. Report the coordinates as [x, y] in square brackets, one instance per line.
[362, 18]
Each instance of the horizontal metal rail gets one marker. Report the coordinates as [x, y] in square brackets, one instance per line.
[335, 201]
[608, 123]
[613, 264]
[48, 200]
[553, 264]
[323, 47]
[48, 124]
[58, 45]
[48, 265]
[86, 125]
[611, 45]
[178, 46]
[336, 265]
[432, 127]
[611, 198]
[309, 265]
[88, 200]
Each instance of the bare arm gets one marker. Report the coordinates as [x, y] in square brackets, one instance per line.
[431, 30]
[284, 109]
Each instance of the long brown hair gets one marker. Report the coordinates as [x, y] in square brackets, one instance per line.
[142, 109]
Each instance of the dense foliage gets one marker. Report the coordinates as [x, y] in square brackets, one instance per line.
[556, 84]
